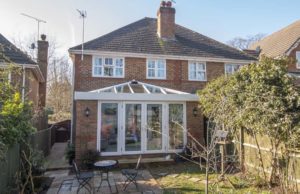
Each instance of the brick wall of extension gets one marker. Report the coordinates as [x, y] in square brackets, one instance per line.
[135, 68]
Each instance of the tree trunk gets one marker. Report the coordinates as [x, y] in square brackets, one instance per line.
[260, 157]
[274, 166]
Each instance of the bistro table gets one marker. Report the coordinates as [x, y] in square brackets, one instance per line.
[105, 166]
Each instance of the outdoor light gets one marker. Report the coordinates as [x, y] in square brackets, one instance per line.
[195, 111]
[87, 112]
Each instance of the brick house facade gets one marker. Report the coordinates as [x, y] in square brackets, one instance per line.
[26, 75]
[177, 49]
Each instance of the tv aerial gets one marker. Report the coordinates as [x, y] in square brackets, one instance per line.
[83, 15]
[38, 22]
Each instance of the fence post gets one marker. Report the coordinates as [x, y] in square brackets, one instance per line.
[242, 150]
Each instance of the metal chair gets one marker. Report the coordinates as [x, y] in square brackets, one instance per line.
[131, 175]
[83, 178]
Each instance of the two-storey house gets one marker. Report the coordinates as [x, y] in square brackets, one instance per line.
[134, 88]
[28, 76]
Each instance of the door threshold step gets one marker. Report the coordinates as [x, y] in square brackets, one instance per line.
[145, 160]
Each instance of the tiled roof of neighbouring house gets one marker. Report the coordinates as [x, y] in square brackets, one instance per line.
[278, 43]
[10, 53]
[141, 37]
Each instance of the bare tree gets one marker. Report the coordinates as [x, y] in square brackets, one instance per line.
[244, 43]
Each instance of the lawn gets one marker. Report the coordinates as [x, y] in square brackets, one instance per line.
[186, 177]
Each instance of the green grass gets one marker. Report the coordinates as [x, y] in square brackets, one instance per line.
[181, 184]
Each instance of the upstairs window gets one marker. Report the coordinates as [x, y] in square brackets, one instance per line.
[231, 68]
[156, 69]
[298, 59]
[108, 67]
[197, 71]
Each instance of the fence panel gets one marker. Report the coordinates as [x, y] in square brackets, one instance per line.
[253, 163]
[9, 169]
[41, 140]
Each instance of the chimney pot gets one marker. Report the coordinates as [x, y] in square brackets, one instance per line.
[43, 37]
[169, 4]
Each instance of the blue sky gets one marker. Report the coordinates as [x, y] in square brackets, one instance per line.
[218, 19]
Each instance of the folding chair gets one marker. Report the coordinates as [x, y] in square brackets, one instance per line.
[131, 175]
[83, 178]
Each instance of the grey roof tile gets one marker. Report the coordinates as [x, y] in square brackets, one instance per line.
[10, 53]
[141, 37]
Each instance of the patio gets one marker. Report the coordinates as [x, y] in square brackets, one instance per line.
[146, 183]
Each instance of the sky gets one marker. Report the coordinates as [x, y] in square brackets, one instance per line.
[218, 19]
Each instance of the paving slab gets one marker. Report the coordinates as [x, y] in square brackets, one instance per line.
[146, 184]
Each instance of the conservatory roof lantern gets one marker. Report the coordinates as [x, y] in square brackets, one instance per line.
[135, 90]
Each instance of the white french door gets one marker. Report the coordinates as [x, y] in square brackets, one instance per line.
[139, 127]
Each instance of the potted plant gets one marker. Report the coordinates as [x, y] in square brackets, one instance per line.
[70, 153]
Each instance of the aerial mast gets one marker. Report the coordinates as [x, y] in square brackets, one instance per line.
[38, 23]
[83, 15]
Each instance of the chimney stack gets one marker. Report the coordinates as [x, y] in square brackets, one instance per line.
[42, 59]
[166, 21]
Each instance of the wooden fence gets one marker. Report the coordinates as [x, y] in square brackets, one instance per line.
[8, 169]
[253, 163]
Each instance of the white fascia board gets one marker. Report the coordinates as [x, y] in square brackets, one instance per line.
[135, 97]
[173, 57]
[36, 69]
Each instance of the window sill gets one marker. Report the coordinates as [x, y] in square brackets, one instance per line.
[98, 76]
[154, 78]
[195, 80]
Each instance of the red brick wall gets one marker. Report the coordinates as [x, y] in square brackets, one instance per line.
[166, 22]
[195, 124]
[86, 127]
[32, 88]
[135, 68]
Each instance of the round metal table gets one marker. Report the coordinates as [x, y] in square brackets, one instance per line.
[105, 166]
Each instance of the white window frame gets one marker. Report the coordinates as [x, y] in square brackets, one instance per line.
[298, 60]
[156, 69]
[232, 64]
[197, 69]
[103, 65]
[121, 127]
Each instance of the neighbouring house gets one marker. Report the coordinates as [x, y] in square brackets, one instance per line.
[26, 74]
[285, 42]
[135, 87]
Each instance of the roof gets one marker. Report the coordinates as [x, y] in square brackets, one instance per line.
[136, 91]
[10, 53]
[141, 37]
[279, 43]
[138, 87]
